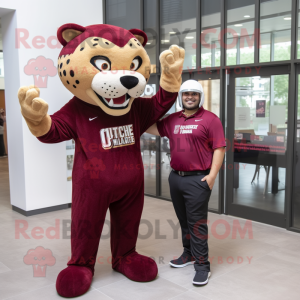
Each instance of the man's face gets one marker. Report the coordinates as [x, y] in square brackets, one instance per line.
[190, 100]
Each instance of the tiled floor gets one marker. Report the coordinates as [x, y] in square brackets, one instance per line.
[265, 266]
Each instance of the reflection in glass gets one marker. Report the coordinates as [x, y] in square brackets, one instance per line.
[178, 26]
[150, 21]
[260, 141]
[148, 147]
[240, 32]
[210, 31]
[123, 13]
[275, 29]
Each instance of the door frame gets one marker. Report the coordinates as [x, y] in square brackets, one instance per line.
[252, 213]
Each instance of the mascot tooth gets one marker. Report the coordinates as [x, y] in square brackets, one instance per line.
[106, 68]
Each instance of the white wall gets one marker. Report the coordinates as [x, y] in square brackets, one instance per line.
[37, 171]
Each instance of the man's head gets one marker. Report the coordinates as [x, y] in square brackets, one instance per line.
[191, 95]
[190, 100]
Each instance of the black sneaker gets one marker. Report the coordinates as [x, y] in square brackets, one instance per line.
[201, 277]
[183, 261]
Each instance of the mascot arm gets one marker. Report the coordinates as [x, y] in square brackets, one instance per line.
[63, 125]
[152, 109]
[56, 128]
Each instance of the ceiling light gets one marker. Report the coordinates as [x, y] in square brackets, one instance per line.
[165, 41]
[172, 32]
[148, 43]
[246, 16]
[238, 25]
[189, 37]
[287, 18]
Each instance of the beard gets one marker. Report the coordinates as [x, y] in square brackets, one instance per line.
[191, 107]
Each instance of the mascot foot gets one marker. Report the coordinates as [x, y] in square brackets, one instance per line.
[74, 281]
[138, 267]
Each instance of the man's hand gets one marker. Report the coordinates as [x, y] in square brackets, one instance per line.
[210, 180]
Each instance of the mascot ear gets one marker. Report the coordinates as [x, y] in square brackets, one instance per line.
[68, 32]
[140, 35]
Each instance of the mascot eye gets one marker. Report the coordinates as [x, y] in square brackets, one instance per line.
[102, 63]
[136, 63]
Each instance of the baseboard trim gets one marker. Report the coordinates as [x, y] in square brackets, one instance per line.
[41, 210]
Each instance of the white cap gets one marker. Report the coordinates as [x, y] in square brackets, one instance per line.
[190, 86]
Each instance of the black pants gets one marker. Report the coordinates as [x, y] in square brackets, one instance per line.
[2, 147]
[190, 198]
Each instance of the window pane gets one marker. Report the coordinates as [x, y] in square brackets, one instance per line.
[150, 21]
[123, 13]
[260, 142]
[178, 26]
[210, 31]
[148, 146]
[240, 35]
[275, 21]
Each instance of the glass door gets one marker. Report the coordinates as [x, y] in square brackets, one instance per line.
[257, 106]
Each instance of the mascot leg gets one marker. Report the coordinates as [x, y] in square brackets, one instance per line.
[88, 216]
[125, 216]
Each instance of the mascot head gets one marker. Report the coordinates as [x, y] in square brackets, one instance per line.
[104, 65]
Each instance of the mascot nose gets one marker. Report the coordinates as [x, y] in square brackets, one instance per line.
[129, 81]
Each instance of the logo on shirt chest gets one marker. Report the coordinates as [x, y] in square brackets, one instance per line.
[183, 129]
[117, 137]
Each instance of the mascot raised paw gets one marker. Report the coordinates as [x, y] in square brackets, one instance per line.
[106, 68]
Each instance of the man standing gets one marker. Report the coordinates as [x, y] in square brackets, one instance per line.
[197, 146]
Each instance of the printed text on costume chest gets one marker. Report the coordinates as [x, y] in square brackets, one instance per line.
[119, 136]
[183, 129]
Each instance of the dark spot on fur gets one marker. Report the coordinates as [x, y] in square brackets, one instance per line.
[60, 74]
[74, 86]
[68, 61]
[96, 39]
[68, 82]
[135, 40]
[95, 44]
[81, 49]
[130, 45]
[77, 81]
[106, 43]
[65, 73]
[72, 73]
[138, 44]
[61, 65]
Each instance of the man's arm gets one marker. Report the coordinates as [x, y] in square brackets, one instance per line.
[153, 130]
[217, 161]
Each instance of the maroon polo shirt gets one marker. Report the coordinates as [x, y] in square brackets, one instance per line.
[192, 139]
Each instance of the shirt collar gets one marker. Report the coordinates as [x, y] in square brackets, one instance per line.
[199, 113]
